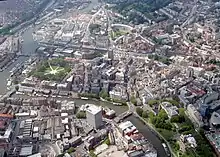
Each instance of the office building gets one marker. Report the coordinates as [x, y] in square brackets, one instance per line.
[94, 116]
[195, 116]
[127, 128]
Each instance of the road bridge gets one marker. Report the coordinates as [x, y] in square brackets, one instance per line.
[122, 116]
[25, 55]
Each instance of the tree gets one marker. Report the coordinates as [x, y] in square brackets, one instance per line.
[145, 114]
[152, 102]
[107, 141]
[153, 120]
[139, 111]
[71, 150]
[92, 154]
[103, 94]
[124, 103]
[203, 149]
[163, 115]
[108, 98]
[60, 155]
[176, 98]
[151, 117]
[185, 129]
[192, 39]
[163, 124]
[182, 111]
[81, 115]
[177, 119]
[16, 88]
[174, 119]
[175, 146]
[160, 121]
[133, 100]
[93, 27]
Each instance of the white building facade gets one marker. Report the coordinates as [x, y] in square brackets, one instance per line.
[94, 116]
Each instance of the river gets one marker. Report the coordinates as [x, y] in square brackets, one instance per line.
[29, 46]
[152, 138]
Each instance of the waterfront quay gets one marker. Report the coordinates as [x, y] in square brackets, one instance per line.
[120, 110]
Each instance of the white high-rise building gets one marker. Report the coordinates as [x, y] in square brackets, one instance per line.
[110, 54]
[94, 116]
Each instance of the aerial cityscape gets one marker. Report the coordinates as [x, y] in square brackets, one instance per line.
[109, 78]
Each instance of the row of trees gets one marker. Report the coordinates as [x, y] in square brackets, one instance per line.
[133, 100]
[174, 101]
[164, 60]
[141, 112]
[203, 149]
[103, 94]
[89, 95]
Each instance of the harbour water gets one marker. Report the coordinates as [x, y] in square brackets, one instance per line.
[28, 47]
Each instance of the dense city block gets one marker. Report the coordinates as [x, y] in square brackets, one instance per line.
[109, 78]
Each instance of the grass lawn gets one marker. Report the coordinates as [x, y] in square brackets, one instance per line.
[53, 70]
[116, 34]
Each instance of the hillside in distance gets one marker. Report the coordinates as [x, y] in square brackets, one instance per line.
[138, 11]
